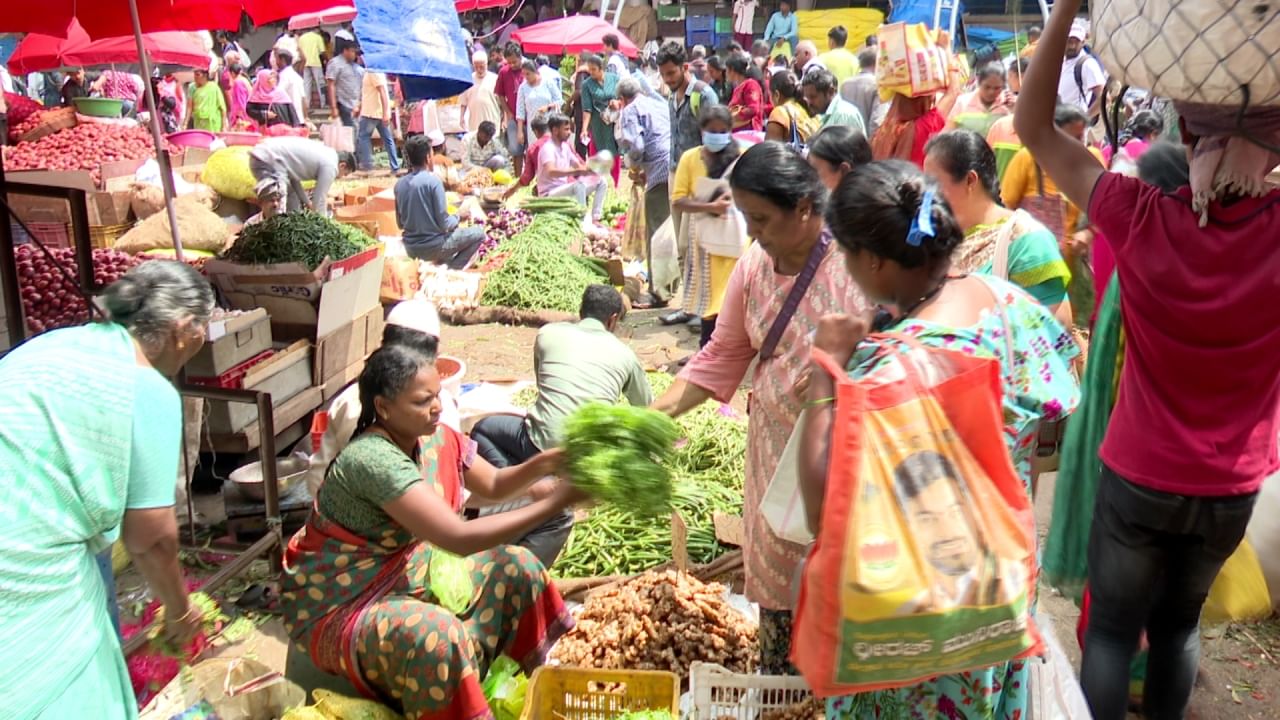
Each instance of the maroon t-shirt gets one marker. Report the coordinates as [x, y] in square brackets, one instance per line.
[508, 86]
[1200, 389]
[531, 159]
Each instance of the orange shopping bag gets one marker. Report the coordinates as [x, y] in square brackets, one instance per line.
[924, 564]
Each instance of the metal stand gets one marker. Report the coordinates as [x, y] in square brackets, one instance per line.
[273, 542]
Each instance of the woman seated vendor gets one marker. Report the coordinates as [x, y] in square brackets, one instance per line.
[358, 598]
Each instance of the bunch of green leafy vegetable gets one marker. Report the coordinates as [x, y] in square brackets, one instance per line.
[618, 454]
[303, 237]
[707, 470]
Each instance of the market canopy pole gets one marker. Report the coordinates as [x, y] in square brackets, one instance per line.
[162, 155]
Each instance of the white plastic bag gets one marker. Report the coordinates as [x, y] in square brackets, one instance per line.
[338, 136]
[783, 505]
[1264, 534]
[666, 260]
[1193, 50]
[1055, 692]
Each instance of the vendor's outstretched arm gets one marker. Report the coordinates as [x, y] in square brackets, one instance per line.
[1065, 159]
[424, 513]
[492, 483]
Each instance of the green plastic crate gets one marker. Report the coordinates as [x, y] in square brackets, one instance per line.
[724, 25]
[670, 12]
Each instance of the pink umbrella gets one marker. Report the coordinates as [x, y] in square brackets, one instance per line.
[329, 16]
[38, 53]
[571, 35]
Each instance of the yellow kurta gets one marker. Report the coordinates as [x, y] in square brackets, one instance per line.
[706, 276]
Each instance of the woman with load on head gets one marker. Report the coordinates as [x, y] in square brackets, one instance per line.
[898, 237]
[373, 591]
[1193, 433]
[787, 280]
[90, 436]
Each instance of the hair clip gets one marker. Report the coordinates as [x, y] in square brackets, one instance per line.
[922, 225]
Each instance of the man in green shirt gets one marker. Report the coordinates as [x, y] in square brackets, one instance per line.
[574, 364]
[842, 63]
[822, 95]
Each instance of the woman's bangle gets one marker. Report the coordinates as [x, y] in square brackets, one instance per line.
[820, 401]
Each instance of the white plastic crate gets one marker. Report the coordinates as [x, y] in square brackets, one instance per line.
[719, 694]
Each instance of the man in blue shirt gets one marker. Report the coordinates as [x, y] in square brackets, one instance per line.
[644, 134]
[782, 26]
[430, 232]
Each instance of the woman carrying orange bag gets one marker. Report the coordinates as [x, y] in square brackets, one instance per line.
[900, 257]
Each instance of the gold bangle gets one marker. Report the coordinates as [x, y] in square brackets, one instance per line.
[821, 401]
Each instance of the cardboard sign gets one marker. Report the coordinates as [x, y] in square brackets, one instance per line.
[679, 542]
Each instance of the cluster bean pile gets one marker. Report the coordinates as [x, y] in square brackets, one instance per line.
[707, 470]
[302, 236]
[49, 299]
[659, 621]
[539, 272]
[84, 147]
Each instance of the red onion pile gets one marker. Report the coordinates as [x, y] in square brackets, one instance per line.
[48, 298]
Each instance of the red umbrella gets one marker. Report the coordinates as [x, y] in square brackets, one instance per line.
[569, 35]
[469, 5]
[328, 16]
[112, 18]
[37, 53]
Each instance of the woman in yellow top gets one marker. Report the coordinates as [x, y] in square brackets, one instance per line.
[706, 273]
[789, 121]
[1027, 187]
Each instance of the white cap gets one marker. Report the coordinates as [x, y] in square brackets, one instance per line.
[416, 314]
[435, 137]
[480, 56]
[1078, 31]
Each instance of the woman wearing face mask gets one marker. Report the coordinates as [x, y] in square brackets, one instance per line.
[784, 283]
[835, 151]
[980, 108]
[875, 218]
[699, 198]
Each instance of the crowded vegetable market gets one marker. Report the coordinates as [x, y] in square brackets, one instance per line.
[639, 360]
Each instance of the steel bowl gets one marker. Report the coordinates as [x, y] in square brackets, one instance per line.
[288, 471]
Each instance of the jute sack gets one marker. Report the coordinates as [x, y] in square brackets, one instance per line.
[1199, 51]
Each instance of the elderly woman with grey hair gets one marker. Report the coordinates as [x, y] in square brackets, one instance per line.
[644, 135]
[90, 434]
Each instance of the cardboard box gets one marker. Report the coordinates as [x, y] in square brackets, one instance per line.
[105, 208]
[284, 375]
[336, 384]
[231, 342]
[348, 345]
[304, 304]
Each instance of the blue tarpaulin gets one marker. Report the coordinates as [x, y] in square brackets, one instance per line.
[419, 41]
[921, 11]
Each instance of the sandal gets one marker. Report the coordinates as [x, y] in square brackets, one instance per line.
[678, 317]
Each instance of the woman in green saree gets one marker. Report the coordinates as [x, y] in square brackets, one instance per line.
[89, 445]
[1007, 243]
[362, 593]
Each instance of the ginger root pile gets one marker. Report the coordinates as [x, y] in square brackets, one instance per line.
[660, 621]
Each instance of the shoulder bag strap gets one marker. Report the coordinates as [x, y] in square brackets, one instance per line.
[792, 303]
[1000, 263]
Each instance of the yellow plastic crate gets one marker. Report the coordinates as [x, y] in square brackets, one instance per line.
[563, 693]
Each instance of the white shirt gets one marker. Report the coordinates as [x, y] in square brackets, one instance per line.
[482, 102]
[744, 16]
[289, 44]
[1091, 77]
[6, 82]
[618, 66]
[291, 83]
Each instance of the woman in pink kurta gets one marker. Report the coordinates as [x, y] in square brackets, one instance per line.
[782, 199]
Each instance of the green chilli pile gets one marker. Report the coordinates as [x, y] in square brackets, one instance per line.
[707, 477]
[619, 453]
[539, 272]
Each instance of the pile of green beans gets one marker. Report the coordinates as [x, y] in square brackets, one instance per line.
[540, 273]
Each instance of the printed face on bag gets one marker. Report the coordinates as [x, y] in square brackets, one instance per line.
[937, 510]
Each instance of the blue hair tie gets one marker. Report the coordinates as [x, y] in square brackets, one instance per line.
[922, 225]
